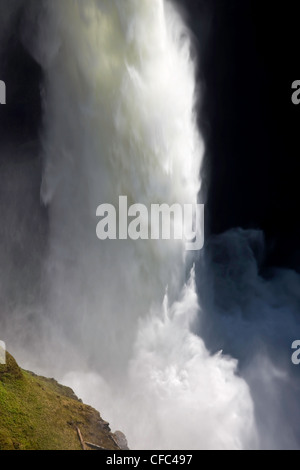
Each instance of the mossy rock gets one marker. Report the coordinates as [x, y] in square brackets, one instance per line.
[10, 369]
[39, 414]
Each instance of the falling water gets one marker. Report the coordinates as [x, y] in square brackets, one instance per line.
[119, 119]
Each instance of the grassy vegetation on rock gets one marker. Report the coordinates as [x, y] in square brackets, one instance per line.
[39, 414]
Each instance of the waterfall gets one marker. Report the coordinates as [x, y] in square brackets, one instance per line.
[119, 119]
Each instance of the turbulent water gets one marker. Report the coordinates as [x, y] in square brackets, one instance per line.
[117, 320]
[119, 120]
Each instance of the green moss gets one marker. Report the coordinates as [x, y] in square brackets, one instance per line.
[10, 369]
[39, 414]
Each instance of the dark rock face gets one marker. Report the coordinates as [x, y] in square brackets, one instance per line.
[20, 118]
[248, 63]
[121, 440]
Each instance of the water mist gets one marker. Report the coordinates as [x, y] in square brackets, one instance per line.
[117, 316]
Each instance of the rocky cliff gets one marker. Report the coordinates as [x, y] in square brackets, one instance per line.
[37, 413]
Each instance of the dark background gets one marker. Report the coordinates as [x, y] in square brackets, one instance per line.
[249, 57]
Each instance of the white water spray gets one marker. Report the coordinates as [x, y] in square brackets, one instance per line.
[119, 120]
